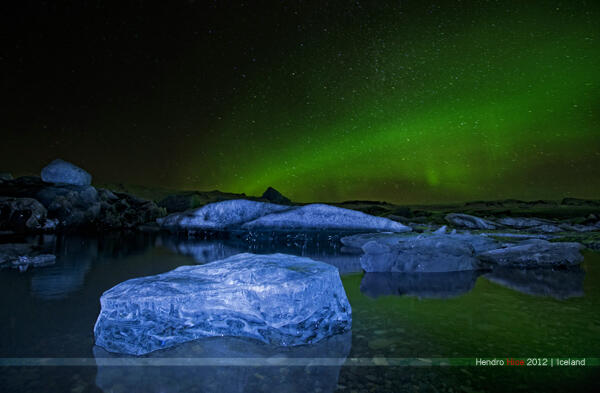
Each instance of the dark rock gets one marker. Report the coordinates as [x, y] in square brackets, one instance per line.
[468, 221]
[559, 284]
[126, 211]
[274, 196]
[21, 214]
[423, 285]
[534, 253]
[4, 176]
[63, 172]
[22, 187]
[579, 202]
[181, 202]
[73, 206]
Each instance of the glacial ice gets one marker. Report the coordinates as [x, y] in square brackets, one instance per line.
[278, 299]
[423, 253]
[250, 215]
[219, 215]
[320, 216]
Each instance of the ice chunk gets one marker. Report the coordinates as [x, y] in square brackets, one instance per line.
[250, 215]
[320, 216]
[471, 222]
[535, 253]
[219, 215]
[424, 253]
[278, 299]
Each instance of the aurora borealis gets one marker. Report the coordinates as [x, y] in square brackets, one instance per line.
[409, 102]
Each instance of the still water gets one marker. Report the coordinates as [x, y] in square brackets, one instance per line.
[50, 313]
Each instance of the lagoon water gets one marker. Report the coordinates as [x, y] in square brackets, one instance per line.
[401, 323]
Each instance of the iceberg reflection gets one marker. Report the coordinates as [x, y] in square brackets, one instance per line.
[213, 376]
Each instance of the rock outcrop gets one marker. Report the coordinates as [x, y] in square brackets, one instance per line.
[274, 196]
[22, 214]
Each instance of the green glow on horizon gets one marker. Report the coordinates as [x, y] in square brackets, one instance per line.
[490, 112]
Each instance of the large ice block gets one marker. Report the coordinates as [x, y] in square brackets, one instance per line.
[219, 215]
[250, 215]
[320, 216]
[278, 299]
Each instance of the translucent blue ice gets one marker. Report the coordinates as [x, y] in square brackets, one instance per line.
[278, 299]
[250, 215]
[220, 215]
[320, 216]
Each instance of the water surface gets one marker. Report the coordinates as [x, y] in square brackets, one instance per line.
[50, 312]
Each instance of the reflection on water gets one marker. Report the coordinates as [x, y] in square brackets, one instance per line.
[216, 378]
[423, 285]
[51, 311]
[559, 284]
[318, 246]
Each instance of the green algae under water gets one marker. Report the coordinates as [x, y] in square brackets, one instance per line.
[50, 312]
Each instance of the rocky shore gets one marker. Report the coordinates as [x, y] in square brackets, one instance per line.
[454, 237]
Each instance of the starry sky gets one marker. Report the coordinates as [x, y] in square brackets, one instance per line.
[404, 101]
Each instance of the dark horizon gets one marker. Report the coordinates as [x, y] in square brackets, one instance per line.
[404, 102]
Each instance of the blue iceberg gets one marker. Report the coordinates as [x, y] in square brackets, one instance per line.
[319, 216]
[262, 216]
[278, 299]
[219, 215]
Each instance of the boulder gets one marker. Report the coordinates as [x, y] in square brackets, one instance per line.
[419, 254]
[422, 285]
[22, 214]
[63, 172]
[277, 299]
[274, 196]
[468, 221]
[534, 253]
[324, 217]
[559, 284]
[4, 176]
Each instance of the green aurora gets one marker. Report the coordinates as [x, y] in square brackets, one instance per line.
[404, 101]
[495, 103]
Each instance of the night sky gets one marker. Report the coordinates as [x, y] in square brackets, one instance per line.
[405, 101]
